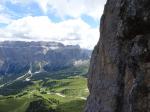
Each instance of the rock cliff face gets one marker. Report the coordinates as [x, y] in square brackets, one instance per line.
[119, 74]
[18, 57]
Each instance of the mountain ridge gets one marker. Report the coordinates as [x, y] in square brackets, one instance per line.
[18, 58]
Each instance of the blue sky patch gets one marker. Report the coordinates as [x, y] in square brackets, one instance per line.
[41, 20]
[91, 21]
[2, 25]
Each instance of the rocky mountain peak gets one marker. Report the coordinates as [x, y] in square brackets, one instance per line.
[30, 44]
[119, 74]
[19, 57]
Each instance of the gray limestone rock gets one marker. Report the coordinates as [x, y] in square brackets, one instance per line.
[119, 74]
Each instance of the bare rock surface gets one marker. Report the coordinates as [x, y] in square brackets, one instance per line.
[119, 74]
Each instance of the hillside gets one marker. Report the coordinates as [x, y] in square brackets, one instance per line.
[20, 59]
[42, 77]
[62, 91]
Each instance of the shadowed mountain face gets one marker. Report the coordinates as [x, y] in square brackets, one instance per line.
[21, 57]
[119, 74]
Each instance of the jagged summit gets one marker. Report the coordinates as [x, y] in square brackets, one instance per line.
[19, 57]
[32, 43]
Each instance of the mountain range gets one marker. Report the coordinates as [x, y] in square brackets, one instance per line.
[19, 58]
[43, 77]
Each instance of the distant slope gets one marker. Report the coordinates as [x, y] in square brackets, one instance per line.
[19, 59]
[43, 77]
[61, 91]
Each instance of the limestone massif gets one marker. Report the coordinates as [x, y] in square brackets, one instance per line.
[19, 57]
[119, 74]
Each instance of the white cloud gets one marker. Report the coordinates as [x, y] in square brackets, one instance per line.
[43, 4]
[74, 31]
[4, 17]
[73, 8]
[1, 7]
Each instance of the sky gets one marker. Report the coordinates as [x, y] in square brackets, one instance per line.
[70, 22]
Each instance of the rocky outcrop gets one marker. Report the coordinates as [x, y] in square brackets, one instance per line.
[119, 74]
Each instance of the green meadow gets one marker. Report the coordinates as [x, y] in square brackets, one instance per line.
[62, 91]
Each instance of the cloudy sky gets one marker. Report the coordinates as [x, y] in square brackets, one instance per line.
[66, 21]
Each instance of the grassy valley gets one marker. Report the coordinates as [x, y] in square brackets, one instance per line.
[61, 91]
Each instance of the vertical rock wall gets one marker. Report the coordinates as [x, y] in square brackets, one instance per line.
[119, 74]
